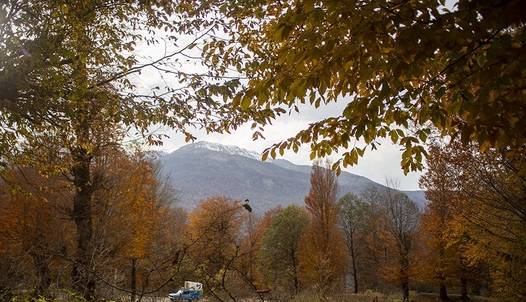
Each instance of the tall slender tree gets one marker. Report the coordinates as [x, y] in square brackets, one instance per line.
[323, 257]
[353, 218]
[441, 256]
[401, 222]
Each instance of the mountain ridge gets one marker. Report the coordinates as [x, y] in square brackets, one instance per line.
[203, 169]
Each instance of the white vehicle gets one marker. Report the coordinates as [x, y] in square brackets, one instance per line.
[191, 291]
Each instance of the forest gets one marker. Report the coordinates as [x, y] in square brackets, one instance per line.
[88, 87]
[464, 245]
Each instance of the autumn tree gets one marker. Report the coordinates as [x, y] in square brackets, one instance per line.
[400, 225]
[34, 231]
[372, 246]
[137, 229]
[248, 264]
[436, 218]
[353, 219]
[323, 257]
[441, 262]
[399, 68]
[487, 192]
[255, 244]
[129, 215]
[436, 259]
[279, 251]
[442, 259]
[215, 243]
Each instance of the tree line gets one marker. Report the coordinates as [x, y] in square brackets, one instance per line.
[466, 241]
[145, 245]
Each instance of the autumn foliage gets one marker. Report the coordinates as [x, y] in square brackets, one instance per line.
[323, 257]
[476, 215]
[130, 216]
[83, 211]
[467, 241]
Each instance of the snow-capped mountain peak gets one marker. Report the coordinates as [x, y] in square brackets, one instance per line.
[228, 149]
[200, 170]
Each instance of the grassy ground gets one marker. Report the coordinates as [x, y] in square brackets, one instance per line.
[303, 297]
[434, 297]
[379, 297]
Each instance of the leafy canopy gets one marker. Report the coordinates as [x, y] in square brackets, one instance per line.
[403, 68]
[71, 65]
[483, 195]
[278, 255]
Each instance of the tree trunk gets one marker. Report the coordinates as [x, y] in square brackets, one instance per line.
[133, 279]
[354, 270]
[82, 154]
[81, 275]
[441, 275]
[463, 280]
[405, 289]
[443, 292]
[295, 271]
[44, 278]
[464, 288]
[404, 276]
[41, 261]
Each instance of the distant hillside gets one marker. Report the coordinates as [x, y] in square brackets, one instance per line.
[205, 169]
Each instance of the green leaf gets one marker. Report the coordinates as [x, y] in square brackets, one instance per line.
[394, 136]
[245, 102]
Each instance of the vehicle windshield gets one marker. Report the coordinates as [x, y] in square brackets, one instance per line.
[177, 293]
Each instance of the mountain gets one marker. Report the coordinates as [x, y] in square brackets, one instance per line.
[204, 169]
